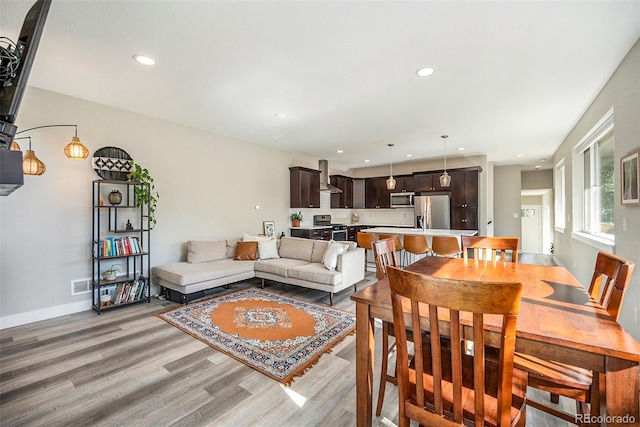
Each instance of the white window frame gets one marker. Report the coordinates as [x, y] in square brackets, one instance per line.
[599, 241]
[560, 192]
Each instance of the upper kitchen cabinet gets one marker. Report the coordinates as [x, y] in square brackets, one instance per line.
[344, 199]
[404, 183]
[464, 198]
[304, 187]
[427, 181]
[376, 194]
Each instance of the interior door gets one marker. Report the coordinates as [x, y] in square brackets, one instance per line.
[531, 229]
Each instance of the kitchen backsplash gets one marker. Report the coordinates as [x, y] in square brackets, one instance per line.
[397, 216]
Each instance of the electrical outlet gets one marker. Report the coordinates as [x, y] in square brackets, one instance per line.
[635, 315]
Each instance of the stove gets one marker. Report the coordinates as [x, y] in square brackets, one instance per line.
[338, 231]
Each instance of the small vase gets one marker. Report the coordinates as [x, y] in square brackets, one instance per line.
[295, 222]
[109, 276]
[115, 197]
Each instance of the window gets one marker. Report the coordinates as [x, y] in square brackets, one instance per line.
[595, 162]
[560, 194]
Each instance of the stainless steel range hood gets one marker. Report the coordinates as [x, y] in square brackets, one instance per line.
[325, 185]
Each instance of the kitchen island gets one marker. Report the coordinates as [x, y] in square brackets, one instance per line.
[429, 232]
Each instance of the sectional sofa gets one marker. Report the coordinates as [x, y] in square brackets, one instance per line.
[317, 264]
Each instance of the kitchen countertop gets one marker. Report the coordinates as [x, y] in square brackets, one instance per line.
[427, 232]
[314, 227]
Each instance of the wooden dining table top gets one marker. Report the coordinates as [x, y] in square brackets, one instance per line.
[555, 308]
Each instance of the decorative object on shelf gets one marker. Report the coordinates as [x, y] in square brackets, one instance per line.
[630, 179]
[111, 272]
[263, 329]
[391, 182]
[31, 165]
[145, 194]
[129, 226]
[296, 218]
[269, 228]
[115, 197]
[111, 163]
[355, 218]
[445, 178]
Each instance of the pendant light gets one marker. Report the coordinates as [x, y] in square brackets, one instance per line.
[391, 182]
[445, 179]
[31, 165]
[73, 150]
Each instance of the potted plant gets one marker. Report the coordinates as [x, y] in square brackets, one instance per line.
[145, 194]
[110, 273]
[296, 218]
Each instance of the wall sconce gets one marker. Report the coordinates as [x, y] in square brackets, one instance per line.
[73, 150]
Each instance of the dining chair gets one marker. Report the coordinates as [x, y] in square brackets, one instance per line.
[456, 387]
[384, 253]
[609, 282]
[445, 246]
[364, 240]
[416, 244]
[398, 243]
[490, 248]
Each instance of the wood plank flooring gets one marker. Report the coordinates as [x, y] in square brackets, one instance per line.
[129, 368]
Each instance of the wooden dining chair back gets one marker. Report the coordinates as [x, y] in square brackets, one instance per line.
[399, 246]
[611, 277]
[610, 280]
[491, 248]
[445, 246]
[445, 383]
[384, 253]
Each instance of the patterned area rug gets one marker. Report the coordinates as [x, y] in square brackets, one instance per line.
[278, 336]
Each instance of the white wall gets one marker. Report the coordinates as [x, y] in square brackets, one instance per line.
[209, 186]
[622, 92]
[506, 201]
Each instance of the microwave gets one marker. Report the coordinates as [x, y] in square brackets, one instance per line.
[402, 200]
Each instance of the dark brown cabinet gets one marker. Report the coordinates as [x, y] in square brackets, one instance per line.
[304, 187]
[344, 199]
[312, 233]
[428, 181]
[404, 183]
[464, 199]
[376, 194]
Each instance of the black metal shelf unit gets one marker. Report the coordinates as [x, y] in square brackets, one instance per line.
[124, 244]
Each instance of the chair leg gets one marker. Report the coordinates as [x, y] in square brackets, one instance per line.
[383, 369]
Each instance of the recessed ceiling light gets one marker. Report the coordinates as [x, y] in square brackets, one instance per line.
[409, 155]
[282, 115]
[461, 149]
[145, 60]
[519, 155]
[367, 161]
[537, 167]
[425, 72]
[340, 151]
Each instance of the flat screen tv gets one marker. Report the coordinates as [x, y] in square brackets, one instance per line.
[16, 59]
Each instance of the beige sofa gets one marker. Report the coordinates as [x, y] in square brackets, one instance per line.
[300, 262]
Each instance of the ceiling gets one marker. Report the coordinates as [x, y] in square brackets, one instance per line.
[511, 78]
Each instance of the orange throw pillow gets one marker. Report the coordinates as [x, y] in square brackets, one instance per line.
[246, 251]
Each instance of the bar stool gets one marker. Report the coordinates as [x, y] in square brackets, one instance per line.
[398, 244]
[365, 240]
[446, 246]
[416, 244]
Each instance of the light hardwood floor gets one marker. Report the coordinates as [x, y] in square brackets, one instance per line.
[129, 368]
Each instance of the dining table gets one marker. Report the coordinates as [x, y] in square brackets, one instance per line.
[558, 320]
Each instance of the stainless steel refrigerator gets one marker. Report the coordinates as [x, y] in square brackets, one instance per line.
[432, 211]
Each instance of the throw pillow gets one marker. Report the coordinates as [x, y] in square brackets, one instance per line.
[268, 249]
[331, 256]
[246, 251]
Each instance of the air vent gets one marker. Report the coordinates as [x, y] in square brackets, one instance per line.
[80, 286]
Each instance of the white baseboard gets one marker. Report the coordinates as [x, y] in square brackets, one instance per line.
[43, 314]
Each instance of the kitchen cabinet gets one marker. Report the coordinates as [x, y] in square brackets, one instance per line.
[376, 194]
[428, 181]
[358, 193]
[304, 186]
[464, 199]
[323, 233]
[404, 183]
[344, 199]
